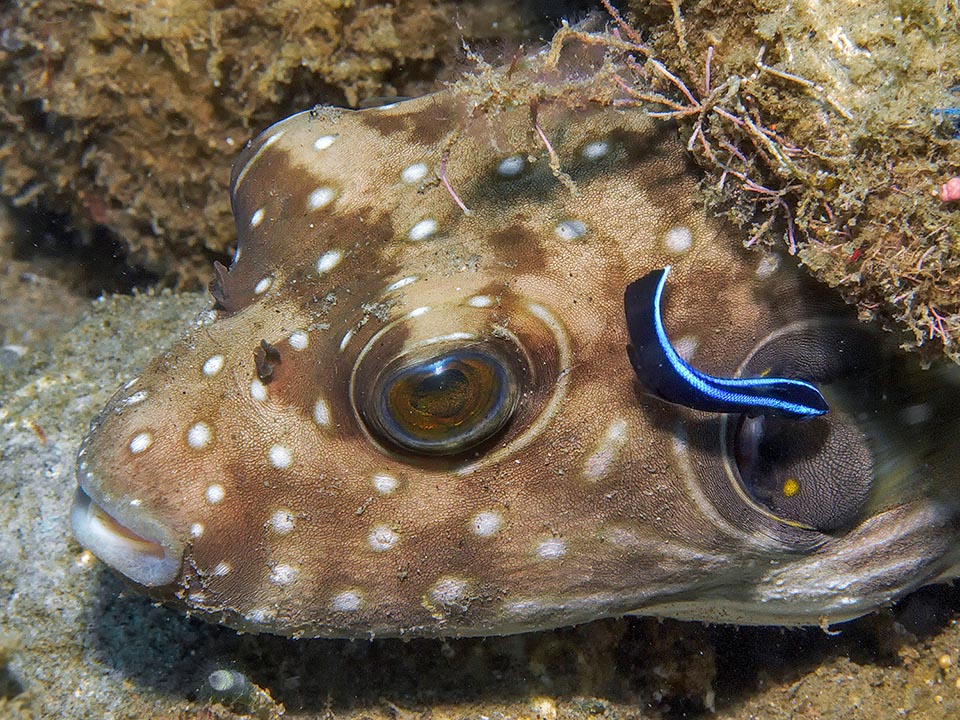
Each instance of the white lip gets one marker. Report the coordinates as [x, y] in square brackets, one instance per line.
[134, 553]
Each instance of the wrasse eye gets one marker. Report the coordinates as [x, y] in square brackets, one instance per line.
[443, 404]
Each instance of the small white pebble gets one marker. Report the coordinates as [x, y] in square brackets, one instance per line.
[412, 174]
[423, 230]
[262, 286]
[213, 365]
[280, 457]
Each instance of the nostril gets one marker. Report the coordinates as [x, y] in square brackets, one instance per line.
[147, 561]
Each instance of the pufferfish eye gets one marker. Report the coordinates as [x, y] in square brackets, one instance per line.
[444, 403]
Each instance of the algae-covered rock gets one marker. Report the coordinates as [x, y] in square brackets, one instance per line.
[829, 126]
[128, 115]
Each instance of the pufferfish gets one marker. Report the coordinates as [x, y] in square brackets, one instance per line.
[412, 409]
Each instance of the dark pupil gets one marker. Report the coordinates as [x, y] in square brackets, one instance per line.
[441, 394]
[446, 404]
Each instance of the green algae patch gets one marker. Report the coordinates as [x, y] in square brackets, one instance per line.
[826, 126]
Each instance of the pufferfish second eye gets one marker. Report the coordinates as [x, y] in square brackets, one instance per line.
[445, 403]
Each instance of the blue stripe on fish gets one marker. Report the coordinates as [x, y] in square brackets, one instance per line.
[667, 375]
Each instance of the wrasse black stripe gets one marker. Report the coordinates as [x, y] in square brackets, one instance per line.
[666, 374]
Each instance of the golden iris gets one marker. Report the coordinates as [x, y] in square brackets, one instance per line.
[447, 403]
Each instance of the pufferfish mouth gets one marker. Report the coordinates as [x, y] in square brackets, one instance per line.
[144, 555]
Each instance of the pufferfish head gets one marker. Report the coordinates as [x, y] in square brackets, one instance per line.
[412, 411]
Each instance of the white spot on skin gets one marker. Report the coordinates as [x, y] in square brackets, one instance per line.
[552, 549]
[214, 493]
[423, 230]
[329, 260]
[401, 283]
[320, 198]
[346, 339]
[280, 457]
[347, 601]
[298, 340]
[283, 574]
[570, 229]
[686, 347]
[323, 142]
[480, 301]
[486, 523]
[221, 569]
[282, 522]
[384, 484]
[198, 436]
[258, 391]
[612, 442]
[511, 166]
[412, 174]
[417, 312]
[767, 266]
[448, 591]
[382, 538]
[321, 413]
[196, 530]
[257, 217]
[213, 365]
[678, 239]
[262, 286]
[140, 442]
[595, 150]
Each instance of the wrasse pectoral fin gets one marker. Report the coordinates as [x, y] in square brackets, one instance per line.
[662, 370]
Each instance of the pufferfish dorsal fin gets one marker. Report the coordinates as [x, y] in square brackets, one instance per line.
[661, 369]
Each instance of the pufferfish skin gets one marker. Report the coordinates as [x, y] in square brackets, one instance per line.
[411, 411]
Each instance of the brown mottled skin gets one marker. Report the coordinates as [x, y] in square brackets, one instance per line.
[595, 500]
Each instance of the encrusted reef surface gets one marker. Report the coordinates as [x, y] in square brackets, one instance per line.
[830, 126]
[127, 116]
[74, 644]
